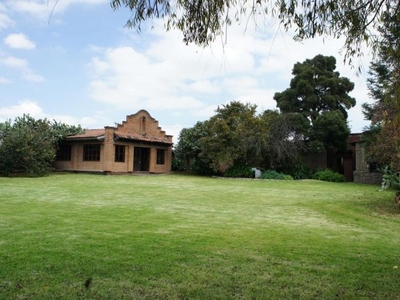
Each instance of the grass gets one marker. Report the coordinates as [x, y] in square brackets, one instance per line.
[79, 236]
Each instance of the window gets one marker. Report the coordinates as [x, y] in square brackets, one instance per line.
[160, 156]
[119, 153]
[64, 153]
[91, 152]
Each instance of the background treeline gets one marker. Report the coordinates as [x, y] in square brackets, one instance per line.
[312, 118]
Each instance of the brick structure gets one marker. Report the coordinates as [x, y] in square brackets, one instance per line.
[365, 171]
[136, 145]
[352, 163]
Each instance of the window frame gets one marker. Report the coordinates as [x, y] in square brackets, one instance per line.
[160, 159]
[64, 153]
[91, 152]
[119, 153]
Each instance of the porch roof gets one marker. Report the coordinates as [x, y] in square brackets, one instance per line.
[89, 134]
[98, 134]
[142, 138]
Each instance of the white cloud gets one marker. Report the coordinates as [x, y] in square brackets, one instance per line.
[22, 65]
[205, 86]
[32, 108]
[19, 41]
[15, 62]
[31, 76]
[25, 107]
[46, 9]
[4, 80]
[5, 20]
[127, 78]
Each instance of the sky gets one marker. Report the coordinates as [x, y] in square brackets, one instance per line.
[74, 61]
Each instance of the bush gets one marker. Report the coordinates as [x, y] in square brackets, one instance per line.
[390, 179]
[177, 164]
[202, 167]
[272, 174]
[239, 171]
[301, 171]
[329, 175]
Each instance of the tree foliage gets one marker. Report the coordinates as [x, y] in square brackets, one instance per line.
[320, 95]
[383, 136]
[29, 146]
[284, 138]
[237, 137]
[201, 21]
[188, 147]
[230, 132]
[331, 130]
[315, 88]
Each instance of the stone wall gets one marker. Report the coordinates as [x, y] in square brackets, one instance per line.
[362, 173]
[367, 177]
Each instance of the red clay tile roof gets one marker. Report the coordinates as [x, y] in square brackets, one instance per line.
[88, 134]
[92, 134]
[143, 138]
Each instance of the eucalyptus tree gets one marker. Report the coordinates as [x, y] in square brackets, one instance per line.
[201, 21]
[383, 135]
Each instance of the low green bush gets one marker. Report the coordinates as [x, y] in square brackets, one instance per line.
[390, 178]
[239, 171]
[301, 171]
[177, 164]
[329, 175]
[272, 174]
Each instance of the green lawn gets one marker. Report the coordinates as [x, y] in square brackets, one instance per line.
[186, 237]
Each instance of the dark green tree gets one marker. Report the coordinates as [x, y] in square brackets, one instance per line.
[29, 146]
[316, 89]
[284, 138]
[331, 129]
[236, 137]
[188, 147]
[233, 136]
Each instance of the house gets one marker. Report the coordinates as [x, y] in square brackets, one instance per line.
[352, 163]
[136, 145]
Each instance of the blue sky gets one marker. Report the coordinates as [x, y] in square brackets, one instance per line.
[75, 62]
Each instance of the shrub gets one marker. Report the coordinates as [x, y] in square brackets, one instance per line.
[177, 164]
[329, 175]
[272, 174]
[239, 171]
[201, 167]
[301, 171]
[390, 179]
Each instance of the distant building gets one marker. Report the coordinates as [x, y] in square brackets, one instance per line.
[353, 163]
[136, 145]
